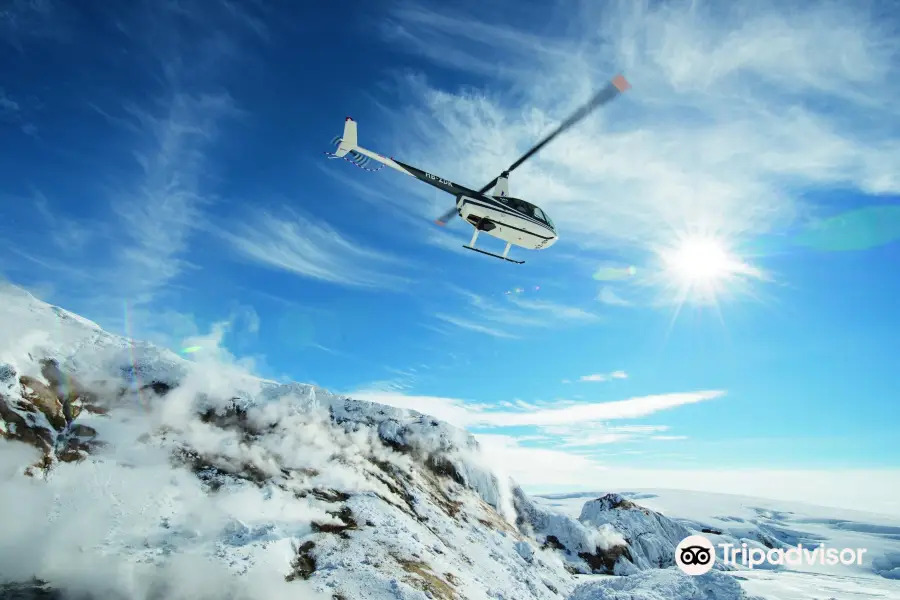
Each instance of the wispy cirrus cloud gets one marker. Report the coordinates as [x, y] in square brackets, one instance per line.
[732, 114]
[590, 434]
[476, 326]
[609, 296]
[464, 414]
[511, 316]
[295, 243]
[149, 173]
[163, 209]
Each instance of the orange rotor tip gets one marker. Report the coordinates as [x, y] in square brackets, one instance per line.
[621, 83]
[439, 223]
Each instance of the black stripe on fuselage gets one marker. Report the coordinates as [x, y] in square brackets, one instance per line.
[513, 214]
[438, 182]
[491, 203]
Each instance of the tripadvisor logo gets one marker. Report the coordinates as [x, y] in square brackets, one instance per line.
[696, 555]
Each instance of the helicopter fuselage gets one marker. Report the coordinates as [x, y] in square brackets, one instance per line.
[512, 220]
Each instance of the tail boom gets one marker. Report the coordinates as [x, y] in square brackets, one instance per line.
[349, 144]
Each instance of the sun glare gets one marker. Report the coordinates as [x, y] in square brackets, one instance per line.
[699, 260]
[703, 268]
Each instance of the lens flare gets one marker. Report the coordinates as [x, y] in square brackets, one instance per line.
[702, 269]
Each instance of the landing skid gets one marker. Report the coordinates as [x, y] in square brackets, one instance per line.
[500, 256]
[471, 246]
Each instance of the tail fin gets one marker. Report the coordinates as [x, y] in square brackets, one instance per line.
[348, 140]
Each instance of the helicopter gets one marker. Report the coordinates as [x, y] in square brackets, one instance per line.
[513, 220]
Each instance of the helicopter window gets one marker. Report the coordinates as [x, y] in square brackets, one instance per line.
[541, 215]
[522, 206]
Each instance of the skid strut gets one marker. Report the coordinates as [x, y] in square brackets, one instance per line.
[504, 256]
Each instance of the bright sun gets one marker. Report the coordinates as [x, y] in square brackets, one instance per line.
[703, 268]
[699, 260]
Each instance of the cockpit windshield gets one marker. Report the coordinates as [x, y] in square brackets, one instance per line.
[527, 208]
[542, 216]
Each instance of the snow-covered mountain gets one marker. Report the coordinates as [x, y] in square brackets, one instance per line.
[130, 472]
[763, 523]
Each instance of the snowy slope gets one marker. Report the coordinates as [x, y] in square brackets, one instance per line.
[783, 524]
[663, 584]
[129, 472]
[202, 480]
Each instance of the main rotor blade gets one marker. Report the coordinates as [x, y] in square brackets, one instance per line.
[617, 86]
[442, 220]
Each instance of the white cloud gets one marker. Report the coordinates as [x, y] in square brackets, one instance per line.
[165, 208]
[463, 414]
[498, 318]
[594, 377]
[474, 326]
[589, 434]
[609, 296]
[732, 113]
[631, 408]
[555, 311]
[604, 376]
[531, 467]
[310, 248]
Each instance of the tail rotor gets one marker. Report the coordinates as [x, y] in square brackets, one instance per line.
[352, 156]
[347, 145]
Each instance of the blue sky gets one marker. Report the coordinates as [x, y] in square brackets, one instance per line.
[724, 292]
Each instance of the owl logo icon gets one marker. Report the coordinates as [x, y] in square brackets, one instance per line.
[695, 555]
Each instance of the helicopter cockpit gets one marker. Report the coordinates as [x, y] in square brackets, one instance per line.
[527, 208]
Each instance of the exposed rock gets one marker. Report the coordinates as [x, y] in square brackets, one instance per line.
[23, 422]
[70, 391]
[586, 550]
[345, 515]
[605, 560]
[650, 536]
[42, 415]
[443, 467]
[45, 399]
[33, 590]
[304, 565]
[77, 443]
[423, 578]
